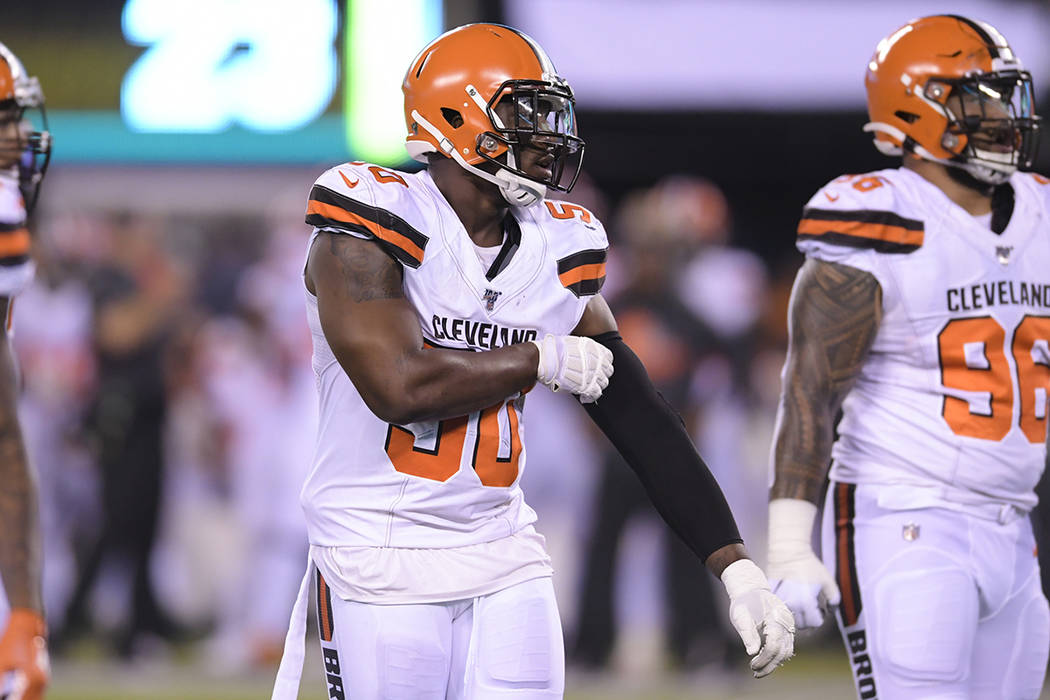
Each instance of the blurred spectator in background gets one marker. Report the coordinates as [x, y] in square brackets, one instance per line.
[563, 456]
[260, 382]
[170, 404]
[137, 296]
[688, 306]
[53, 341]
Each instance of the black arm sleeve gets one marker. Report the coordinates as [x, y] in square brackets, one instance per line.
[652, 439]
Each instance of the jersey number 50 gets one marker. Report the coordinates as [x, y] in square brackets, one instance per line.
[442, 460]
[973, 359]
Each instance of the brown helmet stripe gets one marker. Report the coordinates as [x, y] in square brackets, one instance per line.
[546, 65]
[993, 50]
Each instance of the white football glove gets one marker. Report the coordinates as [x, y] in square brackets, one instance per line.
[762, 620]
[579, 365]
[798, 576]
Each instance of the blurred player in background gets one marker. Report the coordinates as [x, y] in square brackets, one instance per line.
[24, 154]
[436, 301]
[667, 307]
[922, 312]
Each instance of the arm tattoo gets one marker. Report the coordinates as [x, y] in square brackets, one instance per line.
[369, 273]
[19, 539]
[834, 316]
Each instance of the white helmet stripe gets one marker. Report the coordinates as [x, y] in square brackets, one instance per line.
[546, 65]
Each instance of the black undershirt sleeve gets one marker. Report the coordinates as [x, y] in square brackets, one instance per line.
[652, 439]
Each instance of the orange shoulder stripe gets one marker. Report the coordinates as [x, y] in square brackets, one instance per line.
[14, 243]
[331, 211]
[876, 232]
[581, 273]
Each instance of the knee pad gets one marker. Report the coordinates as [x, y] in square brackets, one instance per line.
[1033, 634]
[519, 644]
[923, 618]
[411, 672]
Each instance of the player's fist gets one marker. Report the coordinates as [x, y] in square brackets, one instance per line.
[761, 619]
[578, 365]
[23, 652]
[798, 576]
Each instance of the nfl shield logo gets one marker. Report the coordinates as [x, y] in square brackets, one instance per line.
[1002, 253]
[490, 296]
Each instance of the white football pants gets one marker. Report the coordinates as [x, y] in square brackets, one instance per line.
[507, 644]
[936, 604]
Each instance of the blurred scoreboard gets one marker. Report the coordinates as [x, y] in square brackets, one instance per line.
[318, 81]
[230, 81]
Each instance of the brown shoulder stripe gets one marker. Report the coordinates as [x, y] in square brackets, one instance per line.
[883, 231]
[583, 273]
[328, 208]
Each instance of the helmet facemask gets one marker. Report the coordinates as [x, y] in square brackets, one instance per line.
[538, 116]
[992, 116]
[35, 157]
[25, 143]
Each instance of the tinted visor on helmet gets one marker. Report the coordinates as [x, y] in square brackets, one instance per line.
[539, 115]
[996, 112]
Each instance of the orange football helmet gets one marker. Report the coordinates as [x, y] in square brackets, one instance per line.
[30, 151]
[480, 92]
[951, 90]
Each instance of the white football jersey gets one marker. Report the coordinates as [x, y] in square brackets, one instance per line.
[951, 403]
[454, 482]
[16, 267]
[16, 271]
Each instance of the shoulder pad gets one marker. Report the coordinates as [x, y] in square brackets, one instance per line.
[1036, 178]
[862, 211]
[14, 238]
[579, 245]
[372, 201]
[1038, 185]
[12, 206]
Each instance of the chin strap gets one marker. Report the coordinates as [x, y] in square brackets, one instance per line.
[990, 173]
[519, 191]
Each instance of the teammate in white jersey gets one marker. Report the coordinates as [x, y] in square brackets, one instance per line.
[922, 312]
[436, 301]
[24, 154]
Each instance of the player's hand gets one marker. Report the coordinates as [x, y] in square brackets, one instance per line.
[798, 576]
[23, 651]
[578, 365]
[761, 619]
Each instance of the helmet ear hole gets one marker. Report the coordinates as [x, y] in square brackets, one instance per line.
[909, 117]
[454, 118]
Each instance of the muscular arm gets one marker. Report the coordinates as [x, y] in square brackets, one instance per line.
[833, 318]
[19, 539]
[655, 444]
[374, 332]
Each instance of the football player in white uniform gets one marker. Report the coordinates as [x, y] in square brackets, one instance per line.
[24, 154]
[436, 301]
[922, 312]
